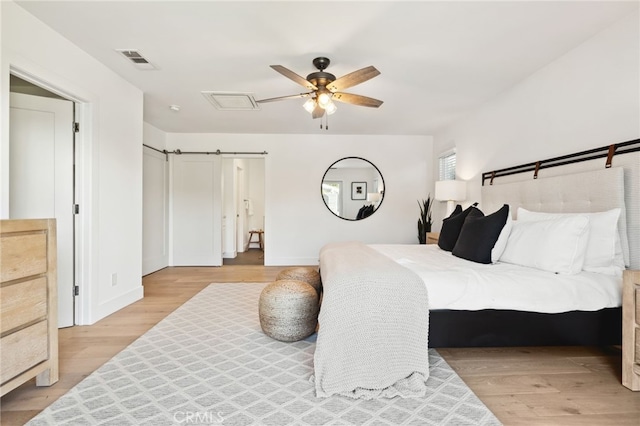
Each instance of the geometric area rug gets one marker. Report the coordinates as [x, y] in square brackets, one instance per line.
[209, 363]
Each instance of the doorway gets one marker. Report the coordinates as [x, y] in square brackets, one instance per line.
[244, 210]
[41, 176]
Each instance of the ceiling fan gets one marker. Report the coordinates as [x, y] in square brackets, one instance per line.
[325, 88]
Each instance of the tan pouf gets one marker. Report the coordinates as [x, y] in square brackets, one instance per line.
[301, 273]
[288, 310]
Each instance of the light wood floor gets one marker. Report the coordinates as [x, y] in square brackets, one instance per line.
[532, 386]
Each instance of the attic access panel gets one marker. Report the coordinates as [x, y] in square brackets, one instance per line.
[231, 101]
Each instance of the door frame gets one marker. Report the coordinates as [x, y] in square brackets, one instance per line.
[83, 181]
[240, 197]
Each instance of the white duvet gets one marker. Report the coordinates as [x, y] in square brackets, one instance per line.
[458, 284]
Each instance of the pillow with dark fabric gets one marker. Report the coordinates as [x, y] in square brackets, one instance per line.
[451, 227]
[367, 211]
[456, 210]
[479, 234]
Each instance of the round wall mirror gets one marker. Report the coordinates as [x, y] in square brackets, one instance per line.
[352, 188]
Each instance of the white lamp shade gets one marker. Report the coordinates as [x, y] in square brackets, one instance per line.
[324, 98]
[373, 197]
[330, 108]
[451, 190]
[310, 105]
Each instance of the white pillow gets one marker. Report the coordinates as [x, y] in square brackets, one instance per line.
[554, 245]
[501, 242]
[603, 234]
[616, 267]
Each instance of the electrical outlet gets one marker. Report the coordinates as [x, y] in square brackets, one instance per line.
[114, 279]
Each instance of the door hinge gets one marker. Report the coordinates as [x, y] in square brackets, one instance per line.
[76, 209]
[76, 127]
[76, 290]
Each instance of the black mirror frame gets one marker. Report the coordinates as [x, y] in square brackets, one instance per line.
[353, 158]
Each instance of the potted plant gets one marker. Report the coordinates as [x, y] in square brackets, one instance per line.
[425, 222]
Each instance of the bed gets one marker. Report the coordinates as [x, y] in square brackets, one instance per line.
[505, 304]
[511, 305]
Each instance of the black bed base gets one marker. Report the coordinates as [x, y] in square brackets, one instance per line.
[456, 329]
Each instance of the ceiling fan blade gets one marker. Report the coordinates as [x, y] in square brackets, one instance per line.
[282, 98]
[353, 78]
[357, 100]
[318, 112]
[293, 76]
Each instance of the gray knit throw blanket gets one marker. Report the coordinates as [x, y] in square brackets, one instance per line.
[373, 326]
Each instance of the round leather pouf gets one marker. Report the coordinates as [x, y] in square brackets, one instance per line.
[301, 273]
[288, 310]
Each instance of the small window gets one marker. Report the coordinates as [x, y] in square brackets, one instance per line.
[447, 165]
[332, 195]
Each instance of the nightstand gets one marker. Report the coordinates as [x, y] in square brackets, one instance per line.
[631, 330]
[432, 237]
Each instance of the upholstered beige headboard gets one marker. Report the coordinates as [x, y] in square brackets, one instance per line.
[591, 191]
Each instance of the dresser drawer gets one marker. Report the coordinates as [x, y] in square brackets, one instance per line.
[22, 350]
[23, 255]
[22, 303]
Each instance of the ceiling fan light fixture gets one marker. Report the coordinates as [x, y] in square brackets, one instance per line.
[323, 88]
[310, 105]
[324, 98]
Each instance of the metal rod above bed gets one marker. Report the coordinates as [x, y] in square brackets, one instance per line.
[603, 152]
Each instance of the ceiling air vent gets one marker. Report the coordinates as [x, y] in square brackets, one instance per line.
[136, 58]
[231, 101]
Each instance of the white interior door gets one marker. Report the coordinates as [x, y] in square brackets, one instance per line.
[197, 213]
[155, 211]
[41, 179]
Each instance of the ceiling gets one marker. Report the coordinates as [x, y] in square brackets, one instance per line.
[438, 60]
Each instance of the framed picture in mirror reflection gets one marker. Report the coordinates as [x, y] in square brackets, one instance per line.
[358, 190]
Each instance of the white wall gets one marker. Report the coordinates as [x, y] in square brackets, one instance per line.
[152, 136]
[255, 189]
[588, 98]
[110, 151]
[297, 222]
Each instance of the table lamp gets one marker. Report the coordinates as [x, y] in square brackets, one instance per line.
[373, 197]
[450, 191]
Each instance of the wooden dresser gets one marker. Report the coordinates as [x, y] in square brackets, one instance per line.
[28, 303]
[631, 330]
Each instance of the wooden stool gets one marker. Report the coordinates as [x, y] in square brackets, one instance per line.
[259, 234]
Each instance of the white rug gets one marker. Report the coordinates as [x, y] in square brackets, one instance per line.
[209, 363]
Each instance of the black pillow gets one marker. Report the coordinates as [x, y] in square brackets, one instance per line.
[368, 210]
[456, 210]
[451, 227]
[479, 234]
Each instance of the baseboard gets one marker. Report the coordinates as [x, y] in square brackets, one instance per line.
[290, 261]
[153, 264]
[105, 309]
[229, 254]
